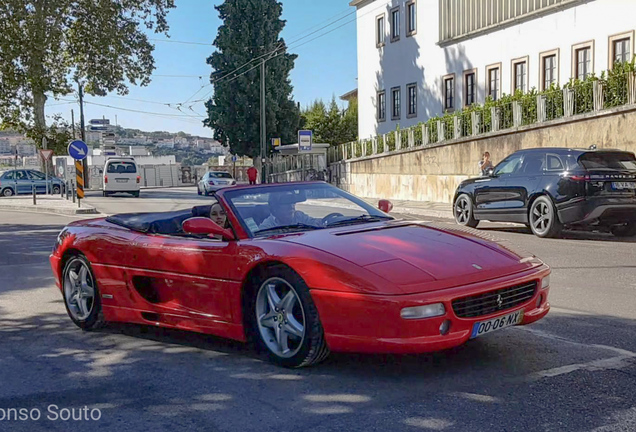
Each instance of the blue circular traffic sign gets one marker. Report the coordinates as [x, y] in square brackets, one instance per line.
[78, 150]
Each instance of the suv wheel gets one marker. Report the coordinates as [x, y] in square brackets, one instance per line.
[625, 230]
[7, 192]
[463, 210]
[543, 218]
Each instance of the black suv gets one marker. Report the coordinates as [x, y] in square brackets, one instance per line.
[548, 189]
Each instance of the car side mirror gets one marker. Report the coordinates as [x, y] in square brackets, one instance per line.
[385, 205]
[205, 226]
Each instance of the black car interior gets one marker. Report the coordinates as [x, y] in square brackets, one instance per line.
[165, 223]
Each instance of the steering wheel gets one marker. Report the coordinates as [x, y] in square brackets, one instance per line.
[330, 216]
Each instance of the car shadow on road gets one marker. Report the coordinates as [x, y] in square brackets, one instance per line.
[154, 373]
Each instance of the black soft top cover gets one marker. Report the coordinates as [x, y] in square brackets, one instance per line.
[168, 223]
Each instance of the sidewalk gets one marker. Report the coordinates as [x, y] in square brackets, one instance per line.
[45, 204]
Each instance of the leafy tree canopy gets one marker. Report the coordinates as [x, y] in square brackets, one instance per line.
[46, 46]
[250, 31]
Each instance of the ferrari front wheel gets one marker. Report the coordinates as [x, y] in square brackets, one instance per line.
[81, 295]
[286, 321]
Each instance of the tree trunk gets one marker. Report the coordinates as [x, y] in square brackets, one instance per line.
[39, 100]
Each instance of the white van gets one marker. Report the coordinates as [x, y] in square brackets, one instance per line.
[121, 175]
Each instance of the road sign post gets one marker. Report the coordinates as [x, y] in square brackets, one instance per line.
[305, 141]
[78, 150]
[46, 155]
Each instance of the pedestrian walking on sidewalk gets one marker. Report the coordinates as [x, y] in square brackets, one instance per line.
[485, 164]
[252, 173]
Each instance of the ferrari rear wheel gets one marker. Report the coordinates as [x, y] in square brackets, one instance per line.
[81, 295]
[286, 322]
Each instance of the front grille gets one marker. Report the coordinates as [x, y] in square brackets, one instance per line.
[494, 301]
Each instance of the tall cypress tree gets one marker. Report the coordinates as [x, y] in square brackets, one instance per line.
[251, 29]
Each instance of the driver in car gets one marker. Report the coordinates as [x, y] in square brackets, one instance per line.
[282, 208]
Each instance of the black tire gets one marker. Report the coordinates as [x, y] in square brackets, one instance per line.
[7, 192]
[463, 211]
[625, 230]
[313, 348]
[543, 218]
[56, 190]
[199, 191]
[95, 319]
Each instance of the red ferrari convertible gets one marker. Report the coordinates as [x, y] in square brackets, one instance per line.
[300, 270]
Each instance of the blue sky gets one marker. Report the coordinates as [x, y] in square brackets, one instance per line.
[325, 66]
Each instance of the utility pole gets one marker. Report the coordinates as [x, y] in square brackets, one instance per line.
[263, 121]
[73, 122]
[82, 131]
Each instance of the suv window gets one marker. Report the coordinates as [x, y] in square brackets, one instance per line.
[121, 168]
[555, 163]
[509, 165]
[7, 175]
[533, 163]
[608, 160]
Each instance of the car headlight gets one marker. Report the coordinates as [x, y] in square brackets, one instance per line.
[545, 282]
[428, 311]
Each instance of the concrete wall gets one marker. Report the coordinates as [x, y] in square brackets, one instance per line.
[419, 59]
[433, 173]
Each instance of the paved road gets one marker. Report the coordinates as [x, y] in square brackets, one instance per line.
[573, 371]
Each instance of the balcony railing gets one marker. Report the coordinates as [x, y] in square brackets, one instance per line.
[509, 112]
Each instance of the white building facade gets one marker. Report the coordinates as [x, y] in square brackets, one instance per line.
[420, 58]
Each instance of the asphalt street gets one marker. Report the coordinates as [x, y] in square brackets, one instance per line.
[573, 371]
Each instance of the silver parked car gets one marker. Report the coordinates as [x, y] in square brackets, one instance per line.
[213, 181]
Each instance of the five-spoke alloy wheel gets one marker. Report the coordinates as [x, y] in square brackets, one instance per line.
[463, 211]
[544, 221]
[285, 320]
[81, 295]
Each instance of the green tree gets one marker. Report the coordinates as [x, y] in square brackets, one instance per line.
[46, 46]
[333, 126]
[250, 30]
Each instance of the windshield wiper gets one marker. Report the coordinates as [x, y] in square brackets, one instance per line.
[298, 226]
[361, 218]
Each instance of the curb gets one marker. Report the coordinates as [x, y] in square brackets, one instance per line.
[424, 212]
[57, 210]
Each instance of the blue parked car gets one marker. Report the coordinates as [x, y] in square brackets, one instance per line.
[21, 181]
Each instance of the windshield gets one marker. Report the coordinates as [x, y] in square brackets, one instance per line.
[291, 208]
[220, 175]
[608, 160]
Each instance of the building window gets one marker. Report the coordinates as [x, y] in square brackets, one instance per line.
[411, 22]
[549, 69]
[520, 75]
[582, 60]
[470, 89]
[449, 92]
[395, 24]
[381, 101]
[411, 90]
[379, 31]
[396, 103]
[583, 63]
[622, 50]
[493, 83]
